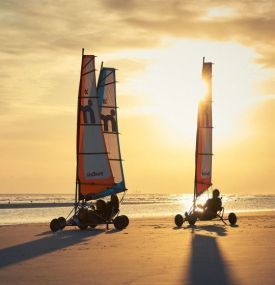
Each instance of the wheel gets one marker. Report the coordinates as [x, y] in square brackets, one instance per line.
[92, 226]
[192, 219]
[125, 220]
[121, 222]
[62, 222]
[54, 225]
[179, 220]
[82, 227]
[232, 218]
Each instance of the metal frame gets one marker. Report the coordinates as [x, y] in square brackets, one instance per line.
[72, 219]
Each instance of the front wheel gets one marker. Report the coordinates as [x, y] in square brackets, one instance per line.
[62, 222]
[54, 225]
[192, 219]
[121, 222]
[232, 218]
[179, 220]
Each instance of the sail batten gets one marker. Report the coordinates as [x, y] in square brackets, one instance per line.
[203, 154]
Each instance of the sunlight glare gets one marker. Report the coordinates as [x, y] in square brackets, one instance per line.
[202, 89]
[171, 86]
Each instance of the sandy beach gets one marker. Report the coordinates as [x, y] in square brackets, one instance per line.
[149, 251]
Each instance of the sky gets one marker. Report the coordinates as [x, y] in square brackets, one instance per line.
[157, 47]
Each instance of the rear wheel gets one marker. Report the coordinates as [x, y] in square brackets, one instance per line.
[54, 225]
[179, 220]
[192, 219]
[62, 222]
[232, 218]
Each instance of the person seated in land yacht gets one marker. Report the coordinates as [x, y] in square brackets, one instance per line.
[211, 207]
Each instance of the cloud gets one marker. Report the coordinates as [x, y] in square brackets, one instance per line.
[66, 26]
[40, 50]
[267, 87]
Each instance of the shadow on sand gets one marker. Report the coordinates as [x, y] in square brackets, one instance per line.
[220, 230]
[207, 265]
[48, 244]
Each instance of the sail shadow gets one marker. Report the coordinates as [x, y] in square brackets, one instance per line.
[220, 230]
[35, 248]
[207, 265]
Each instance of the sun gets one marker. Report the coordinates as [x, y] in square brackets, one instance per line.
[200, 89]
[171, 87]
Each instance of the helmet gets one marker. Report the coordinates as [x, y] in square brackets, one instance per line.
[216, 193]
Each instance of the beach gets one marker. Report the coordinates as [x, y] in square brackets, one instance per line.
[149, 251]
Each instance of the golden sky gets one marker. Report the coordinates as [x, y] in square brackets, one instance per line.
[158, 48]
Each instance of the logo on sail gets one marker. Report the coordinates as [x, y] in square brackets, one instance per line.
[109, 118]
[88, 113]
[94, 173]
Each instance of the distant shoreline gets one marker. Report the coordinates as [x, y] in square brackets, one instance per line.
[34, 205]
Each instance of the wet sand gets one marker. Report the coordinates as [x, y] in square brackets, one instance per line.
[149, 251]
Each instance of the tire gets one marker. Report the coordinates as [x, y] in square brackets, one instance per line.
[192, 219]
[62, 222]
[54, 225]
[232, 218]
[179, 220]
[121, 222]
[126, 221]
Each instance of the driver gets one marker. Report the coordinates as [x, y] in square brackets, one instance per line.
[212, 206]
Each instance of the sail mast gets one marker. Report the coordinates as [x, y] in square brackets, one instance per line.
[77, 135]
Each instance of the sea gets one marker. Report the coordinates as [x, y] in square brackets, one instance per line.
[41, 208]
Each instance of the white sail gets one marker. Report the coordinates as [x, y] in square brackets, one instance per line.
[107, 100]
